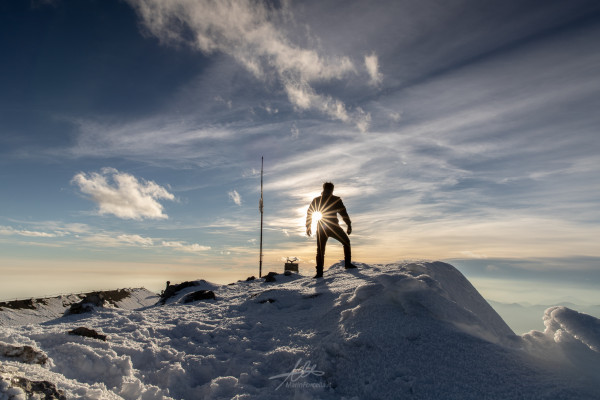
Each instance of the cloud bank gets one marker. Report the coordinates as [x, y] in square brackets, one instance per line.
[123, 195]
[251, 32]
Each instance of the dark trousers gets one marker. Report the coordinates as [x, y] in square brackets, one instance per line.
[335, 231]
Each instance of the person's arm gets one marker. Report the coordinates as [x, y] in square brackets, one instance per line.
[345, 216]
[309, 213]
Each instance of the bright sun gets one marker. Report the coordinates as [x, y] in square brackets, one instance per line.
[317, 216]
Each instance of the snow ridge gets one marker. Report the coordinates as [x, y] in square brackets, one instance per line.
[406, 330]
[22, 312]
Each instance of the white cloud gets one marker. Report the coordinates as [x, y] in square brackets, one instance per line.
[8, 230]
[182, 246]
[235, 197]
[108, 239]
[372, 65]
[136, 240]
[123, 195]
[251, 32]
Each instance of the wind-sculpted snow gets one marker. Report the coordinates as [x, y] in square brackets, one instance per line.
[566, 325]
[570, 337]
[412, 330]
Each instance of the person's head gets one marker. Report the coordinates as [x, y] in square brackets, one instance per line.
[327, 188]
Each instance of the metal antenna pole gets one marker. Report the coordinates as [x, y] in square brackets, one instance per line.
[260, 206]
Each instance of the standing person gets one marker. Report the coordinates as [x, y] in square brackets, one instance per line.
[328, 206]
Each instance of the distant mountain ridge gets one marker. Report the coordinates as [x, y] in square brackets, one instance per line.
[27, 311]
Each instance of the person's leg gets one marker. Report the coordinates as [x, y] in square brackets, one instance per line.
[338, 233]
[321, 243]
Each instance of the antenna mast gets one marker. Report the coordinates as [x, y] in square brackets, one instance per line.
[260, 207]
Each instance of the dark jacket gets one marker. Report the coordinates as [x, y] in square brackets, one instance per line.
[329, 206]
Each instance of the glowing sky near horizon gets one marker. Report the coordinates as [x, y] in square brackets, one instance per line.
[131, 134]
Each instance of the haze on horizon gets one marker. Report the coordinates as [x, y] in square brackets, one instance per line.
[131, 134]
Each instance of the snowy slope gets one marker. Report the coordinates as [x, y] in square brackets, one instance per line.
[414, 330]
[46, 309]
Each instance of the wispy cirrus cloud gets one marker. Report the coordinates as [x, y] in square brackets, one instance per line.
[123, 195]
[9, 230]
[186, 247]
[116, 240]
[79, 236]
[253, 33]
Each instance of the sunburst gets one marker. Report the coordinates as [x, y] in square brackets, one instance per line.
[317, 215]
[323, 214]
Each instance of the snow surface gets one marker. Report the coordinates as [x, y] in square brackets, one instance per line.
[409, 330]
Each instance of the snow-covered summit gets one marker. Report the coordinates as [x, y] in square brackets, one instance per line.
[407, 330]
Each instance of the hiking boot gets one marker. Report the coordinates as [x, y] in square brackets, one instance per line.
[349, 266]
[319, 273]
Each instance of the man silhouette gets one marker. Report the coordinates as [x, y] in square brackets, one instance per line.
[328, 225]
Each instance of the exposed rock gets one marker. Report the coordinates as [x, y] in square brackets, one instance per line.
[287, 273]
[172, 290]
[112, 296]
[26, 354]
[86, 332]
[199, 295]
[270, 277]
[79, 308]
[94, 299]
[18, 304]
[269, 300]
[250, 278]
[38, 389]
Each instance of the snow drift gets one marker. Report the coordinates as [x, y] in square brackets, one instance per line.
[409, 330]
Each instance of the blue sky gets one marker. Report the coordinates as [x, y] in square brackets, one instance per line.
[131, 134]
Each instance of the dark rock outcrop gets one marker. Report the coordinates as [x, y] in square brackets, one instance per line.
[270, 277]
[172, 290]
[18, 304]
[95, 299]
[98, 299]
[199, 295]
[114, 296]
[86, 332]
[111, 296]
[38, 389]
[26, 354]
